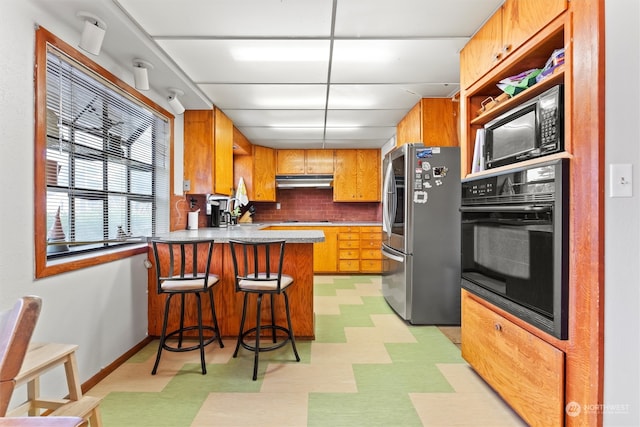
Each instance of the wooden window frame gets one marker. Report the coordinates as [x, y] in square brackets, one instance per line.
[44, 267]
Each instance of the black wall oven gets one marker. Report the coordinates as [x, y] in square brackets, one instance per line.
[515, 242]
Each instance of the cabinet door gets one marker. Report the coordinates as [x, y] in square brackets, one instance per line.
[524, 18]
[346, 176]
[368, 176]
[264, 178]
[319, 162]
[439, 122]
[290, 162]
[199, 150]
[325, 254]
[409, 128]
[482, 52]
[223, 169]
[525, 370]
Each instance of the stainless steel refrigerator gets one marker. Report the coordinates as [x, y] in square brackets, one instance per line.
[421, 233]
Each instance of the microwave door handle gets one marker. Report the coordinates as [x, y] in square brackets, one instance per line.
[524, 209]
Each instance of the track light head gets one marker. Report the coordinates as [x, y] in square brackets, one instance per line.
[141, 73]
[174, 102]
[92, 33]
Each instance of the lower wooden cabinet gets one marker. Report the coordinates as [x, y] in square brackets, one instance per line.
[346, 249]
[525, 370]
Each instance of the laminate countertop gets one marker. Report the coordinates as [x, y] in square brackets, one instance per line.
[247, 232]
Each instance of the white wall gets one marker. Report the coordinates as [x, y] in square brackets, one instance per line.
[102, 308]
[622, 217]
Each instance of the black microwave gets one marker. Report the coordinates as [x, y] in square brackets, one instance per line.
[533, 129]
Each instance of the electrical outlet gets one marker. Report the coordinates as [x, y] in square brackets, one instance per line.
[186, 185]
[277, 205]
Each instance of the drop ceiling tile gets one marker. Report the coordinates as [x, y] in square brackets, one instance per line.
[282, 133]
[372, 96]
[350, 143]
[353, 118]
[276, 118]
[361, 133]
[228, 61]
[396, 61]
[232, 17]
[412, 18]
[270, 96]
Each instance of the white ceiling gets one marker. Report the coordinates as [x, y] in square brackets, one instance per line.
[295, 73]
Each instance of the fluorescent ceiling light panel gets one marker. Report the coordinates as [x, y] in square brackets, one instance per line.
[296, 52]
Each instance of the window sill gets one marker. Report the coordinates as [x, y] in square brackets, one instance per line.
[73, 263]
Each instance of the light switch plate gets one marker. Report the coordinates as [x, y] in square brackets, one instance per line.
[620, 180]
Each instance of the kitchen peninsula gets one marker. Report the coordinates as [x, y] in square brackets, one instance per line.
[298, 263]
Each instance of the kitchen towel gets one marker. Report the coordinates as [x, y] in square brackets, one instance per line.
[241, 193]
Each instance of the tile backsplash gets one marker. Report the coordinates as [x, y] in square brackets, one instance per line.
[297, 204]
[302, 204]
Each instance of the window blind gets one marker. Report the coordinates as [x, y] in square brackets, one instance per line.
[107, 162]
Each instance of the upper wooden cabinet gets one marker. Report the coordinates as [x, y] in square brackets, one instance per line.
[258, 173]
[357, 176]
[300, 162]
[512, 25]
[432, 121]
[208, 152]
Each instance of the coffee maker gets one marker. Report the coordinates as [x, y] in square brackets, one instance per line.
[218, 210]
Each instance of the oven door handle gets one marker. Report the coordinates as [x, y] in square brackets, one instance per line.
[502, 208]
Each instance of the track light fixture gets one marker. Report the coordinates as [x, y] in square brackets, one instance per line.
[174, 102]
[141, 73]
[92, 33]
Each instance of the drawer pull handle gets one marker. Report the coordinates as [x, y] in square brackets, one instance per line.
[498, 327]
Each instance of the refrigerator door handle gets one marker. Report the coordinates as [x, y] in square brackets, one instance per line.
[392, 256]
[387, 192]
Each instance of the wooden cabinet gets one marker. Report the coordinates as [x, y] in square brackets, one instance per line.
[432, 121]
[208, 152]
[301, 162]
[532, 54]
[325, 254]
[370, 255]
[290, 162]
[357, 176]
[346, 249]
[526, 371]
[512, 25]
[258, 172]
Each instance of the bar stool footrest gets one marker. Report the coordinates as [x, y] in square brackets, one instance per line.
[206, 340]
[251, 347]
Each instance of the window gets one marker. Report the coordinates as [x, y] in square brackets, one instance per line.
[102, 162]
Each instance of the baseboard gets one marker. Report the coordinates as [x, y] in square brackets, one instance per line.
[91, 382]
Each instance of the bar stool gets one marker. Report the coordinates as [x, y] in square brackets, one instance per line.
[258, 270]
[186, 272]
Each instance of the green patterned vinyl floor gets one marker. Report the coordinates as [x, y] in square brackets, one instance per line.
[366, 367]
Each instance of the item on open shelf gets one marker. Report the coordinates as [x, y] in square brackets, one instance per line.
[555, 60]
[515, 84]
[491, 102]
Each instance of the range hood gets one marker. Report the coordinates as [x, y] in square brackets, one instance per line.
[304, 181]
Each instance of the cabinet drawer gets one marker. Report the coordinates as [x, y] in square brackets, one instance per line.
[371, 229]
[370, 244]
[370, 254]
[349, 229]
[349, 244]
[349, 236]
[371, 236]
[525, 370]
[370, 266]
[349, 265]
[349, 254]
